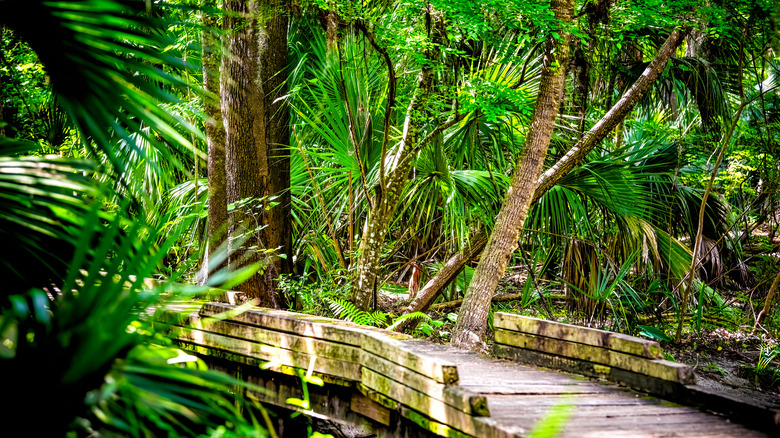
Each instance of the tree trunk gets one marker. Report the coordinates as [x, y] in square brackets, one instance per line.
[472, 321]
[614, 116]
[442, 279]
[381, 213]
[768, 302]
[390, 190]
[277, 234]
[246, 150]
[608, 122]
[215, 136]
[581, 70]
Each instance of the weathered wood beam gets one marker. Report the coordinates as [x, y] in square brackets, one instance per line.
[583, 335]
[268, 353]
[658, 368]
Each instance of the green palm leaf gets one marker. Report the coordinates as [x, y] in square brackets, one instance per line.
[105, 61]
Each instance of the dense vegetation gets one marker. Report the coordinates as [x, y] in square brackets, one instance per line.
[371, 154]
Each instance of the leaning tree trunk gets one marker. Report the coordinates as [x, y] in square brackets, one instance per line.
[277, 234]
[215, 136]
[425, 297]
[472, 321]
[393, 178]
[601, 129]
[614, 116]
[245, 116]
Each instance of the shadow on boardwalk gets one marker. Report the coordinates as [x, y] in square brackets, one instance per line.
[396, 386]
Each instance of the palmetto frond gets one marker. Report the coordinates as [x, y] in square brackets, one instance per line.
[105, 61]
[611, 205]
[42, 202]
[338, 102]
[69, 339]
[443, 201]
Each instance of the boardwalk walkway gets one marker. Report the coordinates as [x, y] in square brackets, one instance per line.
[519, 396]
[397, 386]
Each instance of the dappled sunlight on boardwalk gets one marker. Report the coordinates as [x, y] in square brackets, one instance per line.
[389, 383]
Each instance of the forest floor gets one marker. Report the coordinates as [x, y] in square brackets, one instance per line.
[729, 361]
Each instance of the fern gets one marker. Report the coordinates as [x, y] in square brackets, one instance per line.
[348, 312]
[409, 316]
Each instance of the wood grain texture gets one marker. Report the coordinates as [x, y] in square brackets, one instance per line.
[386, 379]
[583, 335]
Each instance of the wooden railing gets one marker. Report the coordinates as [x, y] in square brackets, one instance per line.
[394, 380]
[596, 353]
[384, 366]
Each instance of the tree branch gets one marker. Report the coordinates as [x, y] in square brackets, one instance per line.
[614, 116]
[391, 84]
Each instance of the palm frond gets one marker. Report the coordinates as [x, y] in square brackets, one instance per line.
[104, 59]
[42, 201]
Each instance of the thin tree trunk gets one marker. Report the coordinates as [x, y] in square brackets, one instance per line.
[471, 326]
[695, 262]
[381, 212]
[768, 302]
[427, 295]
[397, 170]
[695, 259]
[331, 29]
[215, 136]
[614, 116]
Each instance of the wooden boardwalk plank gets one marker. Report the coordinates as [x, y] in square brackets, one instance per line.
[286, 341]
[455, 396]
[658, 368]
[301, 324]
[457, 393]
[582, 335]
[405, 354]
[268, 353]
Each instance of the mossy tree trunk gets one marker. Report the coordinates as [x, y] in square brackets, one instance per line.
[215, 134]
[394, 175]
[273, 76]
[256, 132]
[382, 210]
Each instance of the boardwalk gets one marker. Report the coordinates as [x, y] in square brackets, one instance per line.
[397, 386]
[519, 396]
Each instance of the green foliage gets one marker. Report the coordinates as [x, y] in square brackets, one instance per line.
[654, 333]
[88, 348]
[43, 205]
[348, 311]
[763, 373]
[79, 343]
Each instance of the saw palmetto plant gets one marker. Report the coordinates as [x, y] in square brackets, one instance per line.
[80, 346]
